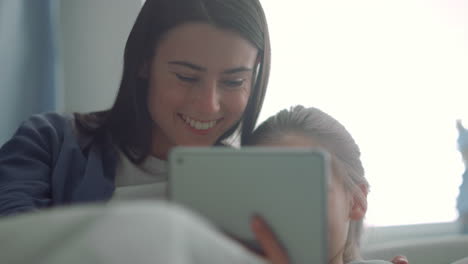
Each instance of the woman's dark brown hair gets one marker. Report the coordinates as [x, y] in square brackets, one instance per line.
[128, 122]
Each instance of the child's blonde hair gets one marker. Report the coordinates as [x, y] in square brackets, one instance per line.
[331, 135]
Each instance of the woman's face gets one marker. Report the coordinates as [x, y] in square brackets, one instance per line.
[200, 80]
[339, 208]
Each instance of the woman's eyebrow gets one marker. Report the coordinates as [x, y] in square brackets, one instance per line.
[236, 70]
[188, 65]
[203, 69]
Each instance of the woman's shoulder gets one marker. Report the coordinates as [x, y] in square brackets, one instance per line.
[53, 133]
[58, 125]
[79, 129]
[41, 131]
[48, 121]
[50, 124]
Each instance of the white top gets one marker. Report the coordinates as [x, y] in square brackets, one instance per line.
[145, 181]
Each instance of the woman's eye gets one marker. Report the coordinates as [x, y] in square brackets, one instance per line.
[185, 78]
[233, 83]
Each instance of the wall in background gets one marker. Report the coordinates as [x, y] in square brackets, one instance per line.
[93, 35]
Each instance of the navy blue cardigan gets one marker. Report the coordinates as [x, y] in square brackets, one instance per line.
[48, 163]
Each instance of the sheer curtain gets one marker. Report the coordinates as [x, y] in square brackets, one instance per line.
[29, 68]
[395, 74]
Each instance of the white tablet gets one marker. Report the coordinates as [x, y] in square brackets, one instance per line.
[286, 186]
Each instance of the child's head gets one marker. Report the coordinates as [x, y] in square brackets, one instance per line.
[347, 202]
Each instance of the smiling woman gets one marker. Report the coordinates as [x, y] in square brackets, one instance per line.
[200, 81]
[195, 72]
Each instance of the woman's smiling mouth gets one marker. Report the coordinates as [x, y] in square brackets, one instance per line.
[197, 124]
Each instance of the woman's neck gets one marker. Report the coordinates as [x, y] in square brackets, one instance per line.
[160, 151]
[161, 144]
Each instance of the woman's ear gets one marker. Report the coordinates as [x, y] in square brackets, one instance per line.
[359, 203]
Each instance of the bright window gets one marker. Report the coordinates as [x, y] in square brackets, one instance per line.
[395, 73]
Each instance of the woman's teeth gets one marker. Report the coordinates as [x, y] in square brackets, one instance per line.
[198, 124]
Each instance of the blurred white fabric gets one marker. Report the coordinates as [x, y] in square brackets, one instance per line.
[136, 232]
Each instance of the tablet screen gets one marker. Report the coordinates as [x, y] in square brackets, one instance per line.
[286, 186]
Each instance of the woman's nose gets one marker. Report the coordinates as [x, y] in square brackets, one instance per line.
[207, 97]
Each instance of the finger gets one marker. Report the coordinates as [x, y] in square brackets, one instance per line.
[268, 241]
[400, 260]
